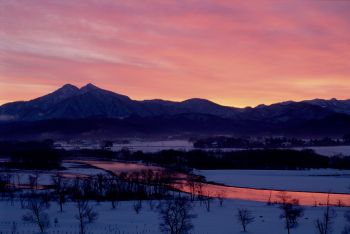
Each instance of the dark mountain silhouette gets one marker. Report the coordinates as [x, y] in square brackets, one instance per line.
[94, 111]
[69, 102]
[339, 106]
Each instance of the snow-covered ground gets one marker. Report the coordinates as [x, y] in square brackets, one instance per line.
[220, 220]
[234, 192]
[316, 180]
[80, 169]
[133, 145]
[45, 177]
[330, 150]
[124, 220]
[155, 146]
[185, 145]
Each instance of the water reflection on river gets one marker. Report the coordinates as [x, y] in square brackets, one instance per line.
[229, 192]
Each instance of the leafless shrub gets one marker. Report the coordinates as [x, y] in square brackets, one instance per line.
[176, 216]
[33, 181]
[207, 200]
[36, 214]
[138, 206]
[325, 224]
[244, 217]
[60, 186]
[220, 196]
[291, 211]
[85, 214]
[269, 201]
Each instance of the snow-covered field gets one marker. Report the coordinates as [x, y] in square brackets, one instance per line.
[45, 177]
[330, 150]
[124, 220]
[80, 169]
[322, 180]
[234, 192]
[133, 145]
[185, 145]
[221, 220]
[155, 146]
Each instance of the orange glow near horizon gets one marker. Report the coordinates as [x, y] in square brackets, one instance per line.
[235, 53]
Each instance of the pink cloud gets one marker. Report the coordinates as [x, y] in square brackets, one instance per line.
[234, 52]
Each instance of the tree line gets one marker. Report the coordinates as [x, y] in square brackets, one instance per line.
[268, 142]
[42, 155]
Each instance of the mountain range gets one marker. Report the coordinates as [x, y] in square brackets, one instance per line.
[93, 109]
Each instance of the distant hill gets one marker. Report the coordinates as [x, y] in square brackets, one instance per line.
[91, 110]
[70, 102]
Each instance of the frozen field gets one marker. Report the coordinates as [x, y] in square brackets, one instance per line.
[45, 177]
[80, 169]
[158, 145]
[322, 150]
[133, 145]
[330, 150]
[155, 146]
[220, 220]
[323, 180]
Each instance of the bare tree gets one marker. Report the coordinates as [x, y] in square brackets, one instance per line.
[220, 196]
[151, 203]
[291, 211]
[269, 201]
[60, 187]
[33, 181]
[112, 191]
[176, 216]
[7, 188]
[4, 183]
[194, 185]
[85, 214]
[138, 206]
[208, 199]
[325, 224]
[36, 214]
[244, 217]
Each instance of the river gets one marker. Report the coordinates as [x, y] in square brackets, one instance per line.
[228, 192]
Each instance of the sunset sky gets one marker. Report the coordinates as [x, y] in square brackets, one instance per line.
[236, 53]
